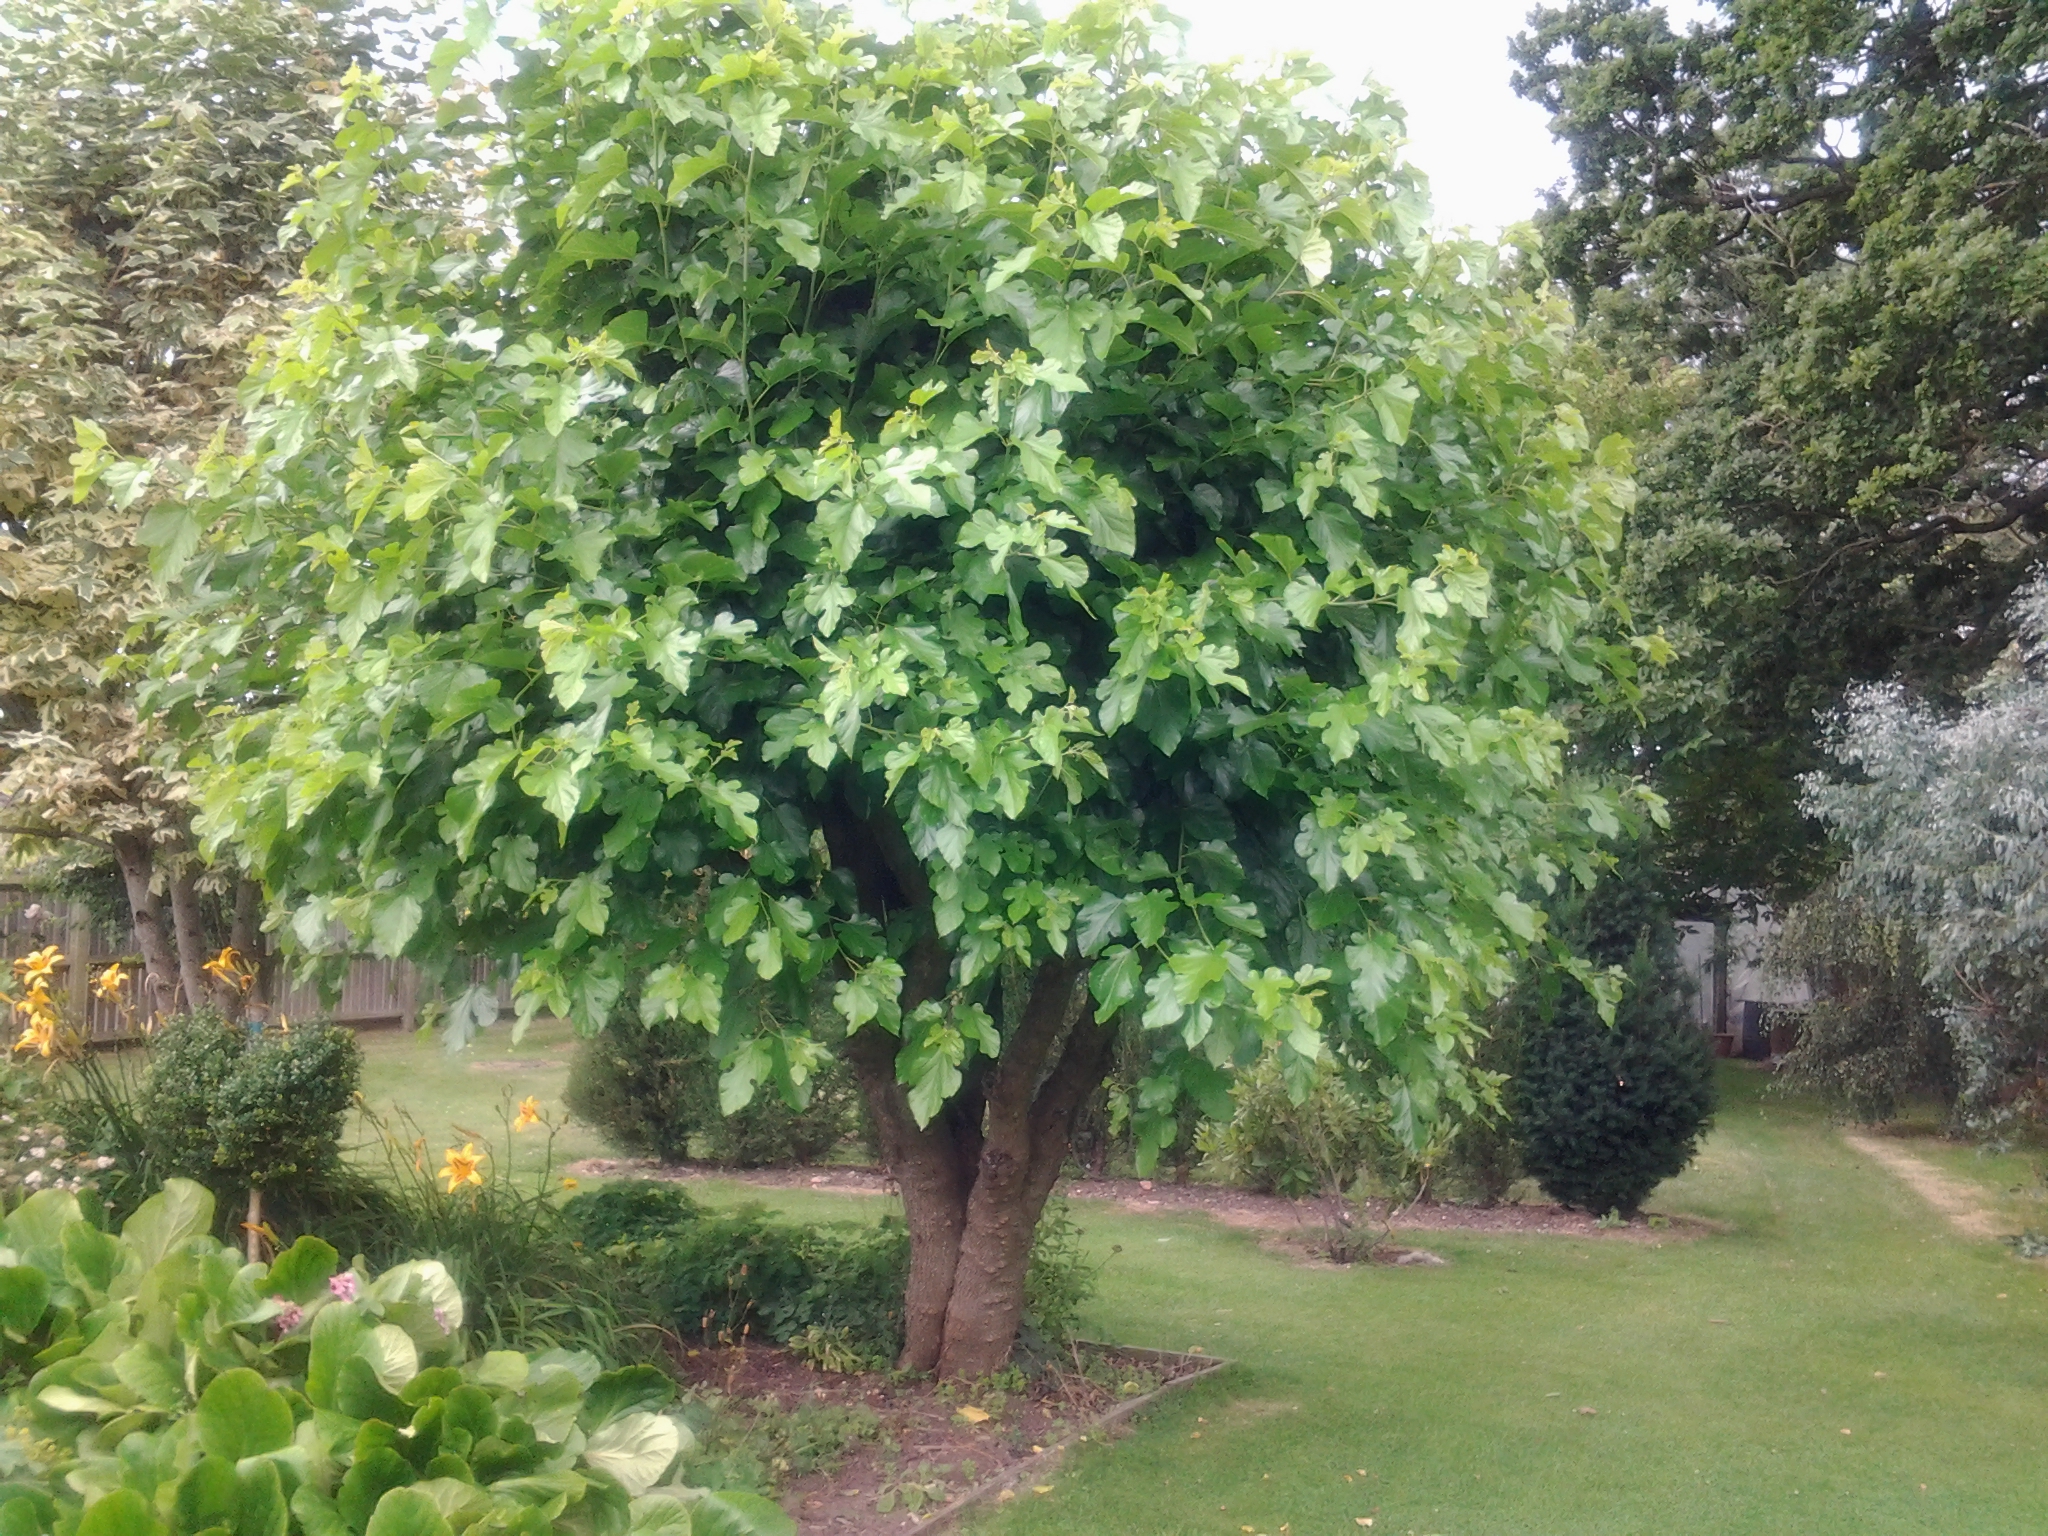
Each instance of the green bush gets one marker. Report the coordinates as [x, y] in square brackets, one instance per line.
[1277, 1145]
[526, 1282]
[1605, 1114]
[1873, 1034]
[186, 1391]
[653, 1092]
[747, 1273]
[234, 1108]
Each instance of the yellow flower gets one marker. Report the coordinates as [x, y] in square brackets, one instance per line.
[463, 1167]
[40, 966]
[569, 1183]
[109, 982]
[529, 1113]
[230, 969]
[41, 1034]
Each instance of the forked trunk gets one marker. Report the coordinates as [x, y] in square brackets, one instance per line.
[974, 1179]
[191, 934]
[159, 966]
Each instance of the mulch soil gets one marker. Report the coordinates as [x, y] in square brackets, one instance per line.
[1232, 1207]
[924, 1437]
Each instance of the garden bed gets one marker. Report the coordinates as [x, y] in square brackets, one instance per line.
[1231, 1206]
[912, 1453]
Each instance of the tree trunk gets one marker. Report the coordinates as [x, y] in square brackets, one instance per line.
[975, 1181]
[976, 1178]
[245, 938]
[191, 936]
[159, 966]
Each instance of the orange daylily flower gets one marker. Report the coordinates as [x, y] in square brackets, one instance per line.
[529, 1113]
[230, 969]
[463, 1167]
[39, 966]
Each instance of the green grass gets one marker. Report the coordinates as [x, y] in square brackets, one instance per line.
[466, 1096]
[1455, 1391]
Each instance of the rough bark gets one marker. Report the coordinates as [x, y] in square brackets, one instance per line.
[190, 931]
[975, 1180]
[159, 965]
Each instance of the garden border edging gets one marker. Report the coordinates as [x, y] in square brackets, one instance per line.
[946, 1518]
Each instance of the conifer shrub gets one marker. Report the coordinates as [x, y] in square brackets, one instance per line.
[1605, 1113]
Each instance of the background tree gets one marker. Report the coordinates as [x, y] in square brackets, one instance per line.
[1605, 1114]
[1941, 816]
[1834, 210]
[143, 144]
[1873, 1034]
[1011, 521]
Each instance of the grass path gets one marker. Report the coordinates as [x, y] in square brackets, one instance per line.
[1961, 1201]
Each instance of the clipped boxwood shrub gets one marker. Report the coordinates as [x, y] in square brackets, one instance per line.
[231, 1108]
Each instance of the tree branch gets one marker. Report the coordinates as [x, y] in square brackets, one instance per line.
[51, 834]
[1942, 525]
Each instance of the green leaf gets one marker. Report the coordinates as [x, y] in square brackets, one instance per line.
[689, 171]
[260, 1508]
[394, 919]
[635, 1448]
[407, 1512]
[179, 1212]
[738, 1514]
[302, 1271]
[124, 1512]
[239, 1415]
[24, 1298]
[631, 1389]
[1115, 980]
[205, 1496]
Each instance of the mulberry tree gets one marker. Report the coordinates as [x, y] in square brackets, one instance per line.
[1006, 526]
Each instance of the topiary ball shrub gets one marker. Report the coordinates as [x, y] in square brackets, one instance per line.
[234, 1108]
[1606, 1114]
[653, 1092]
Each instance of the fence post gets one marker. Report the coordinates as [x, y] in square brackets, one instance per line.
[78, 978]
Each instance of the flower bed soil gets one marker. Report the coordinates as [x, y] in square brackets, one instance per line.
[1232, 1207]
[941, 1447]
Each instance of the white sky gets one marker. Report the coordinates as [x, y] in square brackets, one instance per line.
[1488, 154]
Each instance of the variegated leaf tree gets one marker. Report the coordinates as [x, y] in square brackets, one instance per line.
[1008, 525]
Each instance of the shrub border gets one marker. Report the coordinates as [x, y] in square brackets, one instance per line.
[950, 1515]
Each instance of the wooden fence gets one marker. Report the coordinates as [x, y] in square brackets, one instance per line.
[374, 993]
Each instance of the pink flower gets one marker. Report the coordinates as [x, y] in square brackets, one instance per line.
[289, 1318]
[343, 1285]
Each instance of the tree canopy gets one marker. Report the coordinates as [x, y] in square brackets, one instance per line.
[143, 144]
[1834, 210]
[1009, 520]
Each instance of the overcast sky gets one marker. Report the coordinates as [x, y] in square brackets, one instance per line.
[1486, 151]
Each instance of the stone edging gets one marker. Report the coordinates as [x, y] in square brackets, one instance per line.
[946, 1518]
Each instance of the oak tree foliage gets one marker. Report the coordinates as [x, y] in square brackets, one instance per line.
[1833, 214]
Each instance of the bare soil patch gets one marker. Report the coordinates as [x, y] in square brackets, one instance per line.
[922, 1447]
[1232, 1207]
[1952, 1198]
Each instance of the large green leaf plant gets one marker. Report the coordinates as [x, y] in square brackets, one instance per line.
[161, 1386]
[1020, 525]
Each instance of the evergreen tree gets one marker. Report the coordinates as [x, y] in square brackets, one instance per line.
[1606, 1114]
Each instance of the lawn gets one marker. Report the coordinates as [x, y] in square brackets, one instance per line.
[1721, 1370]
